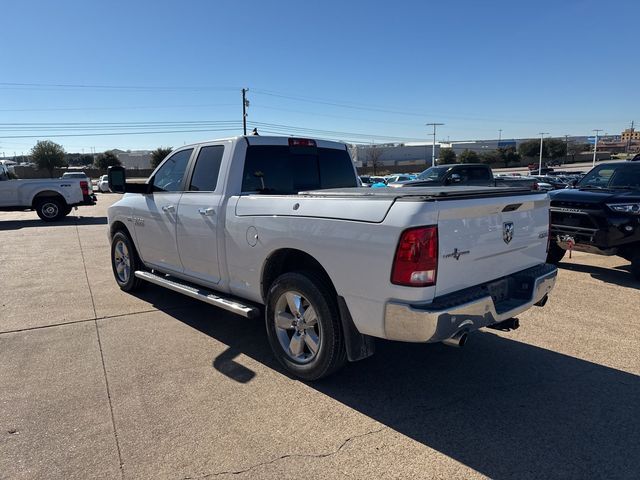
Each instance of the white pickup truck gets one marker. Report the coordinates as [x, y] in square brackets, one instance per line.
[278, 224]
[52, 199]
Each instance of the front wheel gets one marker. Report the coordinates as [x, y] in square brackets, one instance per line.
[304, 327]
[125, 262]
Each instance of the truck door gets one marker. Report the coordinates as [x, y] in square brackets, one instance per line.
[199, 214]
[155, 217]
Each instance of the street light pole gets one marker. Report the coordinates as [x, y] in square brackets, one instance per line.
[595, 145]
[433, 146]
[499, 137]
[566, 148]
[542, 134]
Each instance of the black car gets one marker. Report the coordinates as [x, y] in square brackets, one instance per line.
[600, 215]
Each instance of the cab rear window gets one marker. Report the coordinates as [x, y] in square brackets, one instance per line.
[282, 170]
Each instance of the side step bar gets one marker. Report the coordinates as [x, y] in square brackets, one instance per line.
[201, 294]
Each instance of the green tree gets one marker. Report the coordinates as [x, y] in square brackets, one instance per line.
[469, 156]
[106, 160]
[48, 155]
[446, 156]
[159, 154]
[508, 155]
[492, 157]
[577, 148]
[531, 148]
[555, 148]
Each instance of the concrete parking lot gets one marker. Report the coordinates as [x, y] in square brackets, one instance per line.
[96, 383]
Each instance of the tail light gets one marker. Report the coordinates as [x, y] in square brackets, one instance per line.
[535, 186]
[549, 233]
[416, 260]
[84, 186]
[301, 142]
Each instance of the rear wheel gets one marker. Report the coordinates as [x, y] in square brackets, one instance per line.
[635, 266]
[51, 209]
[125, 262]
[555, 254]
[304, 327]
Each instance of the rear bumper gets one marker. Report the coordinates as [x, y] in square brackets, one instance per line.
[471, 308]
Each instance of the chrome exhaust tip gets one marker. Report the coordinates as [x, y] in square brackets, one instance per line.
[458, 340]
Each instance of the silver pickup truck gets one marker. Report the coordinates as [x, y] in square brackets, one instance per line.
[52, 199]
[278, 225]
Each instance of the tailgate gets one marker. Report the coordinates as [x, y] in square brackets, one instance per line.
[487, 238]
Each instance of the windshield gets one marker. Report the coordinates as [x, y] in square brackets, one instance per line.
[433, 173]
[612, 176]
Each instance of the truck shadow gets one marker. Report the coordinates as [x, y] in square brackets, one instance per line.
[620, 276]
[36, 222]
[503, 408]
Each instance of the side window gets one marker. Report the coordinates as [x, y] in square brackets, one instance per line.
[169, 177]
[205, 173]
[273, 169]
[478, 174]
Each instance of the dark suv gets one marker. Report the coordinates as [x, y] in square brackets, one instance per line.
[601, 214]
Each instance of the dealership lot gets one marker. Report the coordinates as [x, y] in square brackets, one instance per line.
[95, 383]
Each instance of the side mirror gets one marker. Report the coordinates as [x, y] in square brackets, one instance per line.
[117, 179]
[455, 178]
[118, 182]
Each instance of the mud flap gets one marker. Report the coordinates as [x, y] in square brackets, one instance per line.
[358, 346]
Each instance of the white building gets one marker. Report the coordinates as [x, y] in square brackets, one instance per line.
[134, 159]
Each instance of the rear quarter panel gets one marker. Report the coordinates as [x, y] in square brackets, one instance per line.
[357, 255]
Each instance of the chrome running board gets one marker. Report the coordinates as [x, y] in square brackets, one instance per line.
[198, 293]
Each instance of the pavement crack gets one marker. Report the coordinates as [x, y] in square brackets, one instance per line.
[86, 273]
[290, 455]
[113, 419]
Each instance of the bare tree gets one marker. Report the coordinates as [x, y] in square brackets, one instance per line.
[373, 157]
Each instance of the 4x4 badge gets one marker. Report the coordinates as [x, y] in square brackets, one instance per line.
[507, 231]
[456, 254]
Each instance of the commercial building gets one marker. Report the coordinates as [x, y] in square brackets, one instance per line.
[630, 134]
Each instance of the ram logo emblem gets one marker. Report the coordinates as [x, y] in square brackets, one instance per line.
[507, 231]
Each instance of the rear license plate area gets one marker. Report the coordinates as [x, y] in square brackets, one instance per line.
[499, 290]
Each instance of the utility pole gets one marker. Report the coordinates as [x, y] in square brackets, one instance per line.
[499, 137]
[595, 145]
[245, 104]
[433, 146]
[542, 134]
[566, 148]
[626, 147]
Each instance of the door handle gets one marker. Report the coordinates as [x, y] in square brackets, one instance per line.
[207, 211]
[169, 208]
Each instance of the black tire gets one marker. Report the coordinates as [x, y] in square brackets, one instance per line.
[330, 354]
[66, 211]
[123, 251]
[51, 209]
[635, 266]
[555, 254]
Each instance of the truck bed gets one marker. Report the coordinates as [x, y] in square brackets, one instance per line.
[422, 193]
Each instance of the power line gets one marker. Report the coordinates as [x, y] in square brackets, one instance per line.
[139, 107]
[112, 87]
[121, 133]
[333, 132]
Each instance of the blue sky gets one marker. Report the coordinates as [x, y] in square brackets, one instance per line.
[354, 70]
